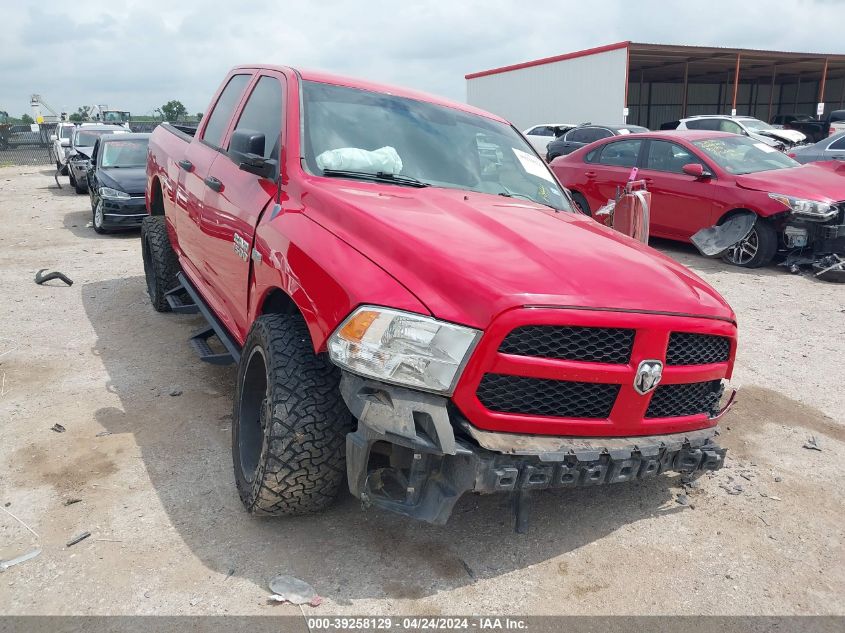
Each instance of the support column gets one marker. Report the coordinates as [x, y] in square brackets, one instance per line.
[797, 91]
[772, 93]
[822, 86]
[736, 84]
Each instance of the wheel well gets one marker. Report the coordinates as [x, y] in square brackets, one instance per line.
[729, 214]
[279, 302]
[157, 201]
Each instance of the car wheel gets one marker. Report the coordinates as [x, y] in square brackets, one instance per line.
[99, 218]
[161, 265]
[289, 424]
[581, 201]
[757, 249]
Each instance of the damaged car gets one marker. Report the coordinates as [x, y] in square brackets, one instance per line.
[779, 138]
[116, 180]
[81, 148]
[700, 179]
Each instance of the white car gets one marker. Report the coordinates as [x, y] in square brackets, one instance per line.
[60, 145]
[745, 125]
[541, 135]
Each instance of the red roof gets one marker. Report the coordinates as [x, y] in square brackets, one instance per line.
[550, 60]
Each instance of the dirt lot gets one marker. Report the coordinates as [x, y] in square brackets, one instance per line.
[169, 535]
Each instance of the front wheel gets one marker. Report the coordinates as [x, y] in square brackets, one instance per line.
[99, 218]
[757, 249]
[290, 423]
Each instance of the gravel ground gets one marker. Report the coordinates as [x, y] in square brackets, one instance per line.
[152, 471]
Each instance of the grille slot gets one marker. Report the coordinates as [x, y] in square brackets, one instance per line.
[540, 396]
[671, 401]
[594, 344]
[686, 348]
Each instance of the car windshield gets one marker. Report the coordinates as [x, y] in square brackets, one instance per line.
[756, 124]
[128, 153]
[740, 155]
[87, 138]
[352, 133]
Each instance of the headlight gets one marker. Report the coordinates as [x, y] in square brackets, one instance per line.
[108, 192]
[809, 209]
[402, 348]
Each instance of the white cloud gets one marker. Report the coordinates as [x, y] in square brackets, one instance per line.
[139, 54]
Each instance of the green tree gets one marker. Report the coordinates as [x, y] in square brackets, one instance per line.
[173, 109]
[76, 117]
[27, 120]
[199, 116]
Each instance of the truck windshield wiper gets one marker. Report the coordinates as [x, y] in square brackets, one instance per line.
[510, 194]
[382, 176]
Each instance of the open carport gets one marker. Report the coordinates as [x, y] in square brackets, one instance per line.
[656, 83]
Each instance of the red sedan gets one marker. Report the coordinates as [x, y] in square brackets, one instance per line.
[699, 179]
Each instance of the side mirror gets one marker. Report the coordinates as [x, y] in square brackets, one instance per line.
[696, 170]
[65, 142]
[246, 149]
[53, 137]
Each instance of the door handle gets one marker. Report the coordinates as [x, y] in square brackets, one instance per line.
[212, 183]
[590, 174]
[186, 165]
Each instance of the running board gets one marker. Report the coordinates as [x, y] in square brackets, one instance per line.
[176, 299]
[199, 340]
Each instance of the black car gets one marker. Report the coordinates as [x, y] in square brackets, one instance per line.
[585, 134]
[116, 179]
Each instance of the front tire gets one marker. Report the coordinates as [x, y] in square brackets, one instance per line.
[98, 218]
[161, 265]
[757, 249]
[290, 423]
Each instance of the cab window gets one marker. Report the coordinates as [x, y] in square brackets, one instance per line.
[263, 113]
[220, 116]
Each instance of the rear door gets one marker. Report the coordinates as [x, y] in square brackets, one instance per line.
[610, 169]
[835, 151]
[234, 200]
[200, 154]
[680, 204]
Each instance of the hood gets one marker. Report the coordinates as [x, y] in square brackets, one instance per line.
[86, 150]
[132, 180]
[807, 181]
[789, 136]
[469, 256]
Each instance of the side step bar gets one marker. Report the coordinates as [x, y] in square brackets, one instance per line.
[199, 341]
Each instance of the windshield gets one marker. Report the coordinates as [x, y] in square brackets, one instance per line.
[740, 155]
[376, 133]
[756, 124]
[87, 138]
[114, 116]
[66, 132]
[129, 153]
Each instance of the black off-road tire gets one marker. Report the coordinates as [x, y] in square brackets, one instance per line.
[161, 265]
[290, 423]
[581, 201]
[765, 237]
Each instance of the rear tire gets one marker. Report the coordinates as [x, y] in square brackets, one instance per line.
[756, 250]
[161, 265]
[581, 201]
[289, 424]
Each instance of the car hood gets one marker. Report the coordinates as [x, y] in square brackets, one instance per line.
[84, 150]
[790, 136]
[807, 181]
[469, 256]
[132, 180]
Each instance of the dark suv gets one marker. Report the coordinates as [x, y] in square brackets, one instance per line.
[585, 134]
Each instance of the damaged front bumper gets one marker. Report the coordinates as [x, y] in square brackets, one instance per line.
[414, 454]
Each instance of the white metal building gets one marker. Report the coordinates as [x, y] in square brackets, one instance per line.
[656, 83]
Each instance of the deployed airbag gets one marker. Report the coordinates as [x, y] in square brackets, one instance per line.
[385, 159]
[715, 240]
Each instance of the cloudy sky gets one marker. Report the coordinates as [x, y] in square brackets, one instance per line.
[136, 55]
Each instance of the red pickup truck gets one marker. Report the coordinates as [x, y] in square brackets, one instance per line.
[414, 302]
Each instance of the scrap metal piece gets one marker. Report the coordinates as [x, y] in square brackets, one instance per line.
[715, 240]
[40, 279]
[76, 539]
[5, 564]
[830, 268]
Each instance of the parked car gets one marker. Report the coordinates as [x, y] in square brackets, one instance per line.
[82, 144]
[744, 125]
[781, 121]
[425, 314]
[60, 142]
[699, 179]
[831, 148]
[585, 134]
[117, 177]
[818, 129]
[541, 135]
